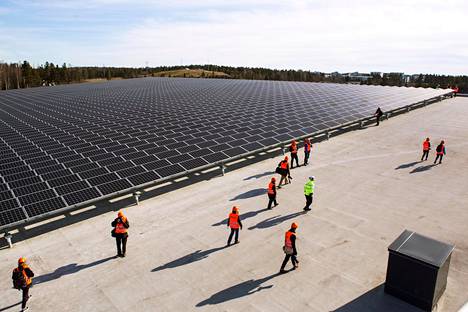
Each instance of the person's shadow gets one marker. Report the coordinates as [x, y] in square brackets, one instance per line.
[407, 165]
[260, 175]
[10, 306]
[237, 291]
[67, 270]
[251, 193]
[276, 220]
[187, 259]
[243, 216]
[422, 168]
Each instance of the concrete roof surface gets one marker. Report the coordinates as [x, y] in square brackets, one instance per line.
[370, 186]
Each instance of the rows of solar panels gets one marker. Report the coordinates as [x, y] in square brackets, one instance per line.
[66, 145]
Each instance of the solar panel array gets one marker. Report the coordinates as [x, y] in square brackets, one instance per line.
[65, 145]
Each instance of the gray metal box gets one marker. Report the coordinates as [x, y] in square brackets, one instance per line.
[417, 269]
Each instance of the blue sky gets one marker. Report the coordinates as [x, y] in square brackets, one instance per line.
[394, 35]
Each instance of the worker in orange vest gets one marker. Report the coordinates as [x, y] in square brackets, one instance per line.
[289, 248]
[307, 148]
[234, 222]
[272, 193]
[440, 152]
[120, 232]
[283, 170]
[426, 149]
[22, 280]
[293, 150]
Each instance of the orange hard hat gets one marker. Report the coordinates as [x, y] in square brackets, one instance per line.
[294, 225]
[286, 158]
[235, 209]
[21, 260]
[273, 179]
[120, 214]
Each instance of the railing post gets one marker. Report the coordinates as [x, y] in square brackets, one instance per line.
[283, 150]
[8, 237]
[408, 108]
[387, 115]
[137, 195]
[328, 134]
[425, 103]
[361, 124]
[223, 169]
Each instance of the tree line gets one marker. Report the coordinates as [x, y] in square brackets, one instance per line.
[23, 75]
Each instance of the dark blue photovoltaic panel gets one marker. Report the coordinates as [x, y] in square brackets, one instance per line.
[89, 140]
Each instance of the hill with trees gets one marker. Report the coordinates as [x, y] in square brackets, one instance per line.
[23, 75]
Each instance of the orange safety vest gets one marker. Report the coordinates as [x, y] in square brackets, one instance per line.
[287, 239]
[425, 145]
[234, 221]
[293, 148]
[26, 277]
[306, 147]
[120, 228]
[284, 165]
[270, 188]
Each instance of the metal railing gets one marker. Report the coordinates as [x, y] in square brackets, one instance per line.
[315, 137]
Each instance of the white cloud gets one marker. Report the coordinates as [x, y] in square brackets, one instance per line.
[410, 36]
[395, 36]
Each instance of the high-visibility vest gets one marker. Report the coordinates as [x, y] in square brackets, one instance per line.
[234, 221]
[306, 147]
[271, 190]
[23, 271]
[426, 145]
[120, 228]
[293, 148]
[284, 165]
[287, 239]
[309, 187]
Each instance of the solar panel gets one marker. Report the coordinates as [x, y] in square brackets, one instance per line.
[66, 145]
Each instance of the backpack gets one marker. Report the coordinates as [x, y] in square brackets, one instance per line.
[19, 279]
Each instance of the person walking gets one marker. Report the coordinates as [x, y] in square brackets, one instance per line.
[426, 149]
[234, 222]
[120, 232]
[293, 150]
[289, 248]
[440, 152]
[272, 193]
[309, 188]
[378, 114]
[22, 280]
[283, 170]
[307, 149]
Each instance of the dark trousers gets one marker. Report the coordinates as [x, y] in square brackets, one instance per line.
[272, 200]
[286, 259]
[121, 244]
[25, 296]
[306, 157]
[233, 231]
[377, 120]
[308, 201]
[437, 157]
[425, 155]
[294, 157]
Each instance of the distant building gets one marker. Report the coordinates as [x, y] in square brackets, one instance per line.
[357, 77]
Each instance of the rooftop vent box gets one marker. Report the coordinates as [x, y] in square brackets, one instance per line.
[417, 269]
